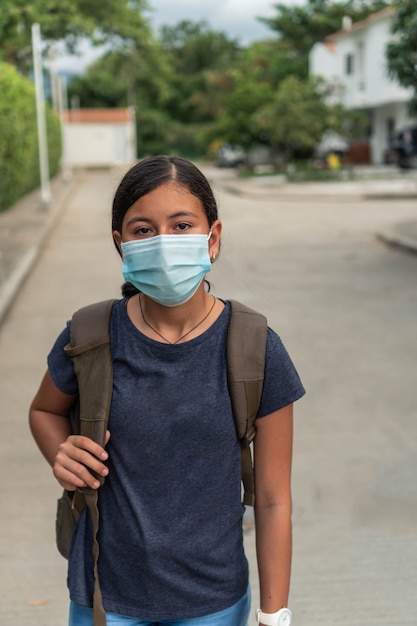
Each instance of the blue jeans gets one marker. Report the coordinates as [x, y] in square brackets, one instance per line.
[236, 615]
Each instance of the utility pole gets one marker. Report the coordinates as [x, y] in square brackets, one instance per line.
[40, 113]
[54, 79]
[63, 114]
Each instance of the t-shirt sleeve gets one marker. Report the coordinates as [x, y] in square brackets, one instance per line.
[60, 365]
[282, 384]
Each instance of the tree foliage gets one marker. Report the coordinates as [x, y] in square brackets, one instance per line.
[402, 50]
[197, 55]
[295, 119]
[119, 22]
[195, 47]
[244, 92]
[118, 79]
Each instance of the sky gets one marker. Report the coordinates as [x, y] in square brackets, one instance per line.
[236, 18]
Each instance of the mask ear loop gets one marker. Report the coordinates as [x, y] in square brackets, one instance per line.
[212, 258]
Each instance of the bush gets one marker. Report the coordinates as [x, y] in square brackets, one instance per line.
[19, 159]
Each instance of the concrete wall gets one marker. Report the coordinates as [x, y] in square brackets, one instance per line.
[99, 143]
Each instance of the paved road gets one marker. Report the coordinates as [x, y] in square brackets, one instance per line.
[345, 306]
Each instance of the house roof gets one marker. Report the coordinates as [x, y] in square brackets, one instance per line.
[98, 116]
[356, 26]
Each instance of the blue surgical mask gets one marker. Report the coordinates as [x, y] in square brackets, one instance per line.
[167, 268]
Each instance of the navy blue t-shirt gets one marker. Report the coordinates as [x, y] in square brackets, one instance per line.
[171, 544]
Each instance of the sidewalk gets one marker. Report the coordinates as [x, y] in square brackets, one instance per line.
[25, 227]
[23, 230]
[368, 183]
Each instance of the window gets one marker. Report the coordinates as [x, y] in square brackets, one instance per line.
[390, 128]
[360, 65]
[349, 65]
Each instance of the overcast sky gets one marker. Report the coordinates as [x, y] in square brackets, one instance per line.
[236, 18]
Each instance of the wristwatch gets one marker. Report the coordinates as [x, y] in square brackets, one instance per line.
[282, 617]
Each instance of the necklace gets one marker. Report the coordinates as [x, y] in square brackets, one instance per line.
[182, 336]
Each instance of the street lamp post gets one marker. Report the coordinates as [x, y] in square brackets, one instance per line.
[40, 113]
[63, 114]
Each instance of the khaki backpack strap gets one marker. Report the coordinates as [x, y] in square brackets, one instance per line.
[99, 614]
[246, 346]
[90, 352]
[89, 349]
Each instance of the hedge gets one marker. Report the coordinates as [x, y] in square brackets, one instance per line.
[19, 158]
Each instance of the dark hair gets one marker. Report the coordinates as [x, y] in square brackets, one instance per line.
[155, 171]
[151, 173]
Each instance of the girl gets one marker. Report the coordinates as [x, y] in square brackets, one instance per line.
[171, 545]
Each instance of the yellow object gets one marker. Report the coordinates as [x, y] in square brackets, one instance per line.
[333, 161]
[37, 602]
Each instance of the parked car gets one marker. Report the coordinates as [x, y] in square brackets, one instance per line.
[230, 156]
[404, 146]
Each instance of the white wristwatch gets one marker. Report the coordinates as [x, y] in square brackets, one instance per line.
[282, 617]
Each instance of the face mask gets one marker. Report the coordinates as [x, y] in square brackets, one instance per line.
[167, 268]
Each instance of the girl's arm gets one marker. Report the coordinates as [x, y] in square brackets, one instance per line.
[272, 462]
[70, 456]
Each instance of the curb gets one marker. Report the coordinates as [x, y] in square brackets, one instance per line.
[396, 240]
[405, 195]
[281, 192]
[11, 286]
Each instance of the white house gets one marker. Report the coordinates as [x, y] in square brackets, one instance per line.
[99, 137]
[353, 62]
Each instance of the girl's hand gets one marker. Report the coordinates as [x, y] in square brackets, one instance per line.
[75, 461]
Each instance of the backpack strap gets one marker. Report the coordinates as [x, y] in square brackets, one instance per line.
[89, 349]
[246, 347]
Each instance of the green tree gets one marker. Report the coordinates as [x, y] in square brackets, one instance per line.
[196, 54]
[194, 47]
[272, 60]
[296, 118]
[116, 22]
[243, 94]
[298, 115]
[120, 78]
[300, 27]
[99, 87]
[402, 50]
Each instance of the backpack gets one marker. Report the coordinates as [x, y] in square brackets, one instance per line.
[89, 349]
